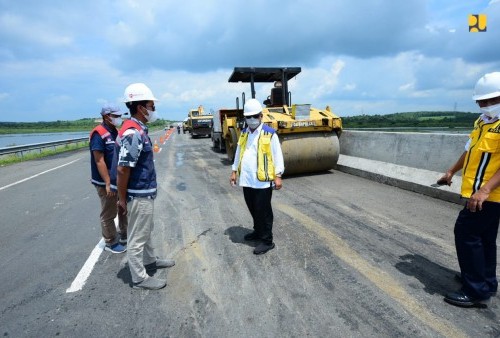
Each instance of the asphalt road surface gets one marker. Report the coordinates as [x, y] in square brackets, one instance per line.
[353, 258]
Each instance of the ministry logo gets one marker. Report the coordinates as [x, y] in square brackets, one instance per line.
[477, 23]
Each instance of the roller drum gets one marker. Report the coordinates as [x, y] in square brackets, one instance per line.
[309, 152]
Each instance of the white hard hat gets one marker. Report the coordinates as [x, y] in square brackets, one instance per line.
[487, 87]
[252, 107]
[138, 92]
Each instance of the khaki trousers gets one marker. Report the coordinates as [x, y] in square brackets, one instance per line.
[140, 249]
[108, 214]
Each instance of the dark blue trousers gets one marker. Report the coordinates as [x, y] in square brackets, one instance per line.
[475, 241]
[259, 204]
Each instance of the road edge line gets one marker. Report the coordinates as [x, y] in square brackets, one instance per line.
[87, 268]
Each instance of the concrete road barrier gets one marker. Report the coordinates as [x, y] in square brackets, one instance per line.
[411, 161]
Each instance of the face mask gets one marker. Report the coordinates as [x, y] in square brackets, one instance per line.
[491, 111]
[253, 123]
[151, 117]
[117, 121]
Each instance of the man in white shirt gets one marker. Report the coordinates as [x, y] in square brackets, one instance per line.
[259, 163]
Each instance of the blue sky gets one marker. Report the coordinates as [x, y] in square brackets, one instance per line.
[64, 59]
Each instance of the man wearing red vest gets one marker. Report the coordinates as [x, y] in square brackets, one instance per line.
[135, 176]
[102, 146]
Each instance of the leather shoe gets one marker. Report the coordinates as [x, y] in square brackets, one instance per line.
[253, 236]
[263, 248]
[459, 298]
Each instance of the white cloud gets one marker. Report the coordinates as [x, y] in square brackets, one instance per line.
[35, 32]
[407, 86]
[326, 80]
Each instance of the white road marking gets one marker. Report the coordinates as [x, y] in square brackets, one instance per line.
[43, 172]
[87, 268]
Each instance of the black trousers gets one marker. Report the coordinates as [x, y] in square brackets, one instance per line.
[475, 241]
[259, 204]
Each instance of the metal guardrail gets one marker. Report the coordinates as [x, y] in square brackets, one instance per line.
[39, 146]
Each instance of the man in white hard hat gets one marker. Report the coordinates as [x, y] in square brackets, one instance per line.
[134, 170]
[102, 149]
[259, 163]
[477, 224]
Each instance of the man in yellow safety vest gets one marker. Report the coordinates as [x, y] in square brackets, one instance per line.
[476, 227]
[259, 163]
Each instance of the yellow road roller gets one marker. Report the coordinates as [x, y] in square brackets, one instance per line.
[309, 136]
[199, 123]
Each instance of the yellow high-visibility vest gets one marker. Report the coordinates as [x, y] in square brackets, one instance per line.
[265, 164]
[482, 160]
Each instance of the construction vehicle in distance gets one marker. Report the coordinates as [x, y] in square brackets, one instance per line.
[309, 136]
[220, 123]
[199, 123]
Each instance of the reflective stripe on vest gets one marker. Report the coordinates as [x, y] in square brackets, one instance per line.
[482, 160]
[265, 163]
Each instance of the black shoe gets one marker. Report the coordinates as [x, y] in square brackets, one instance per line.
[263, 248]
[459, 298]
[253, 236]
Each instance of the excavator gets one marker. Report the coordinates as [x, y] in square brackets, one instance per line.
[309, 137]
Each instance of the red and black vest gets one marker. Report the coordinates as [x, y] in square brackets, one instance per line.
[142, 181]
[101, 138]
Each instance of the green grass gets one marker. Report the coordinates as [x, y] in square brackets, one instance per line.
[14, 158]
[439, 118]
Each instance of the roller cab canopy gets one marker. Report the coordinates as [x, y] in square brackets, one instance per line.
[263, 74]
[266, 74]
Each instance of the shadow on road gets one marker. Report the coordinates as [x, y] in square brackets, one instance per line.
[236, 235]
[124, 275]
[435, 278]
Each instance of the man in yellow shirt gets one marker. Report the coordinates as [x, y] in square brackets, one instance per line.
[476, 227]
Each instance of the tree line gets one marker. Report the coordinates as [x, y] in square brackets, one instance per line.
[412, 120]
[85, 124]
[396, 120]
